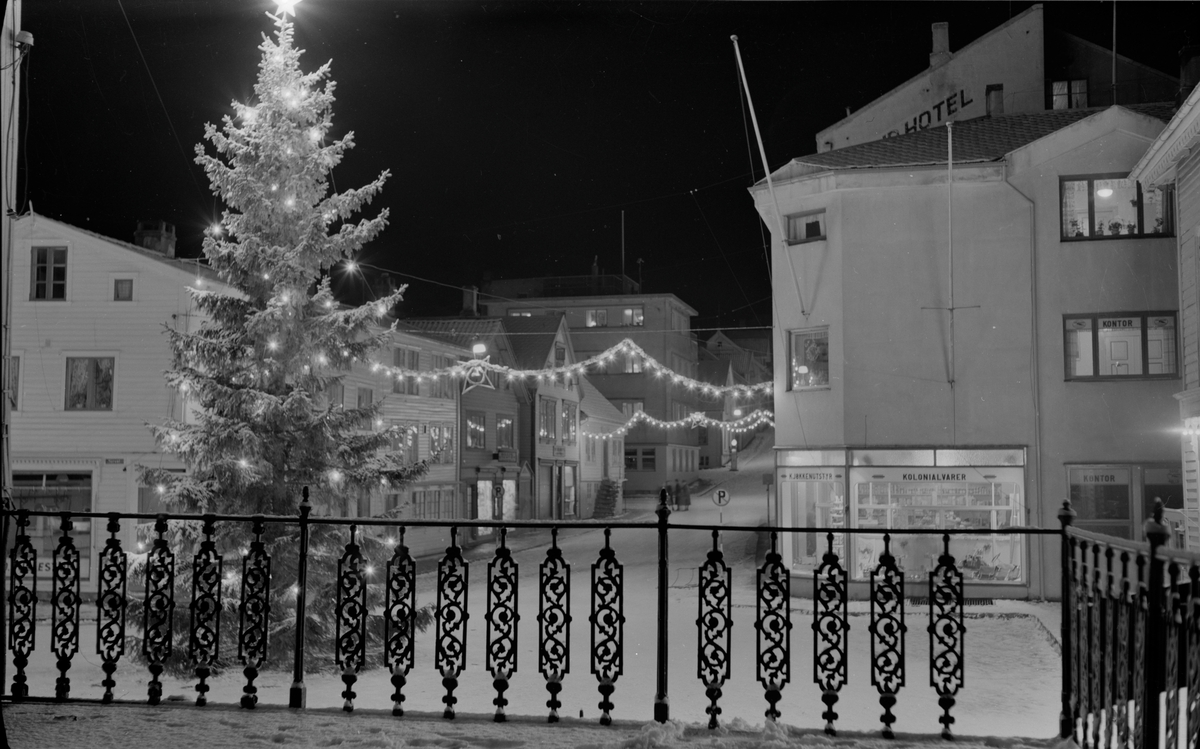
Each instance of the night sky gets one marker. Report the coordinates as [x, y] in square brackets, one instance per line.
[516, 132]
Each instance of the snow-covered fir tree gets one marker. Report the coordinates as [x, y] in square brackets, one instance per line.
[257, 370]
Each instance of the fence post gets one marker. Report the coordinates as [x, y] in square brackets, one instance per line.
[1156, 535]
[662, 705]
[297, 696]
[1066, 718]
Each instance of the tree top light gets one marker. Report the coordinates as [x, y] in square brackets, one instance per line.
[286, 7]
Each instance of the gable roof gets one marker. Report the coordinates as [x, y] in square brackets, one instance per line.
[532, 338]
[459, 331]
[593, 404]
[1172, 145]
[980, 140]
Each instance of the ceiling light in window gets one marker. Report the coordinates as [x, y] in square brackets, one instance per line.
[1104, 192]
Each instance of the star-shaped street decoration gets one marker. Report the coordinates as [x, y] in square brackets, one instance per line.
[477, 375]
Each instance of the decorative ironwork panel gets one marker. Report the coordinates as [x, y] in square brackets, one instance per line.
[1096, 622]
[450, 656]
[205, 638]
[254, 612]
[1174, 623]
[773, 623]
[715, 624]
[400, 624]
[350, 641]
[64, 602]
[1111, 603]
[1121, 679]
[1141, 604]
[22, 603]
[946, 633]
[887, 633]
[1074, 606]
[502, 619]
[110, 605]
[1083, 651]
[1192, 632]
[831, 628]
[554, 622]
[608, 624]
[159, 608]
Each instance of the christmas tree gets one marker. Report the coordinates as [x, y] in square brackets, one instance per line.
[257, 370]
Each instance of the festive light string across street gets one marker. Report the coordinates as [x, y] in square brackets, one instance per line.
[745, 424]
[625, 348]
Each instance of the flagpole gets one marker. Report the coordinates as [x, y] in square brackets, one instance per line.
[767, 169]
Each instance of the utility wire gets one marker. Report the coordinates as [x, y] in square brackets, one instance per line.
[160, 101]
[717, 242]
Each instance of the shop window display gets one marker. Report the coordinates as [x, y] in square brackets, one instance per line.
[809, 359]
[948, 500]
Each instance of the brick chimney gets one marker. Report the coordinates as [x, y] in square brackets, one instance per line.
[156, 235]
[1189, 71]
[941, 44]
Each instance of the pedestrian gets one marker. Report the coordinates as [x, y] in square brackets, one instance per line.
[685, 498]
[676, 494]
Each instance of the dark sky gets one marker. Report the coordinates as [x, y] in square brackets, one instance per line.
[516, 132]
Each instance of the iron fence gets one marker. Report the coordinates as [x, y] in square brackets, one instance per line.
[1131, 639]
[1099, 602]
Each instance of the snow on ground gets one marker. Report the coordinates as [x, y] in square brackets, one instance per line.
[1011, 690]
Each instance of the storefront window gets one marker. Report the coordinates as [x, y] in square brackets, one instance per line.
[941, 500]
[813, 499]
[55, 492]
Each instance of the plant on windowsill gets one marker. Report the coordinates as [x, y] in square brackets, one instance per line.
[1114, 227]
[1075, 229]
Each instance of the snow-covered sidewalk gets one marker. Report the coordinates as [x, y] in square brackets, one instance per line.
[185, 727]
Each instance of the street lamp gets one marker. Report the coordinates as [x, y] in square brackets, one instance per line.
[737, 413]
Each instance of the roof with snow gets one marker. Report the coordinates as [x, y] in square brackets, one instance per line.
[595, 406]
[532, 338]
[979, 140]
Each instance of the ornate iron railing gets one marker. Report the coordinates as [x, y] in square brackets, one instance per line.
[1109, 609]
[1131, 639]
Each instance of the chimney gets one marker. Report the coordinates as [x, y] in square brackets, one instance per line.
[156, 235]
[471, 301]
[995, 98]
[1189, 71]
[941, 44]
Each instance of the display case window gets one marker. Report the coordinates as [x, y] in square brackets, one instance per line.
[55, 492]
[940, 500]
[812, 498]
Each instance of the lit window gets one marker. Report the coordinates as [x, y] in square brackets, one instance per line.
[90, 384]
[806, 227]
[629, 408]
[633, 364]
[123, 290]
[49, 277]
[596, 318]
[569, 421]
[632, 316]
[1110, 206]
[1069, 94]
[335, 394]
[476, 430]
[406, 359]
[547, 419]
[1121, 345]
[504, 432]
[808, 359]
[366, 397]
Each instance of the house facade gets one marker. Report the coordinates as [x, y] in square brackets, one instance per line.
[660, 324]
[495, 474]
[967, 343]
[550, 436]
[89, 351]
[1020, 66]
[425, 411]
[601, 435]
[1173, 162]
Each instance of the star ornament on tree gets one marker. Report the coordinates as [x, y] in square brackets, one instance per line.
[476, 375]
[286, 7]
